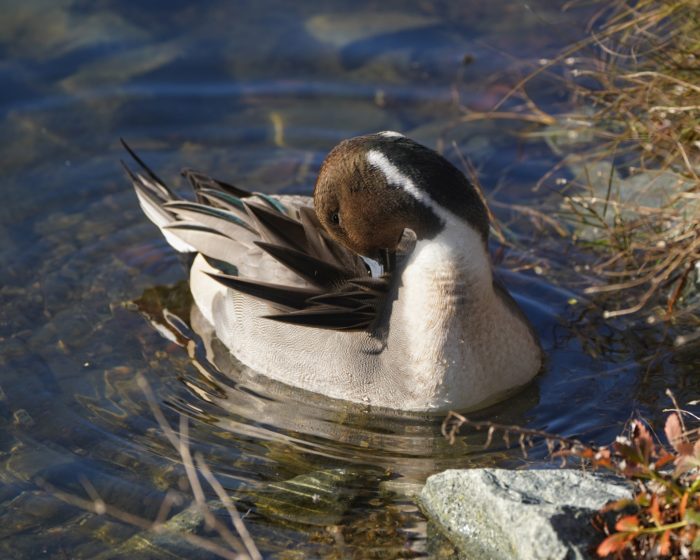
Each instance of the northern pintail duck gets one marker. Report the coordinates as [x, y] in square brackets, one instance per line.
[377, 290]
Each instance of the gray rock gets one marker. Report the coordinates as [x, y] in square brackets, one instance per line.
[496, 513]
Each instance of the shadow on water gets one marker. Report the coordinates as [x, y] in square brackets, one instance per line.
[255, 92]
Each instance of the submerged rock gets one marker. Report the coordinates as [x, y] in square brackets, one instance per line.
[342, 29]
[496, 513]
[171, 541]
[611, 199]
[318, 498]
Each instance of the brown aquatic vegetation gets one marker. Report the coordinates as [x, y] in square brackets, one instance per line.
[644, 99]
[662, 519]
[635, 88]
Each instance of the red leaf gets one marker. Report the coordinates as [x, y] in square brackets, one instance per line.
[604, 463]
[586, 453]
[654, 510]
[614, 543]
[642, 440]
[683, 505]
[639, 431]
[665, 543]
[673, 430]
[627, 523]
[685, 448]
[684, 463]
[676, 437]
[602, 458]
[666, 458]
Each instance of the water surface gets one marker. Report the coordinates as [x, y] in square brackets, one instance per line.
[257, 93]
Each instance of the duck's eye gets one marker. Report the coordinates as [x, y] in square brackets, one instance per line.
[335, 218]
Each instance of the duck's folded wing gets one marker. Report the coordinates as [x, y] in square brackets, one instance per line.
[320, 283]
[340, 293]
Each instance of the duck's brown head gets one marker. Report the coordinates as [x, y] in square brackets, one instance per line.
[372, 187]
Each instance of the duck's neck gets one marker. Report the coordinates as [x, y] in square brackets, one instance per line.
[445, 310]
[451, 270]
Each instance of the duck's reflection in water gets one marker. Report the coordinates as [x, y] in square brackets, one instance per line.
[327, 431]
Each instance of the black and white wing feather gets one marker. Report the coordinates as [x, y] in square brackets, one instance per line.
[331, 287]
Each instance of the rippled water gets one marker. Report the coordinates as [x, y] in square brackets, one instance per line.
[255, 93]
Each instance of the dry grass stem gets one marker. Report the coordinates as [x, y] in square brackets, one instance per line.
[641, 118]
[97, 506]
[237, 547]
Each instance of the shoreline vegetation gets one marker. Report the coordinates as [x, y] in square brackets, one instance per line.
[661, 518]
[627, 189]
[627, 185]
[643, 116]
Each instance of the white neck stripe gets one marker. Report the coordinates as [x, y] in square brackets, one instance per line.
[394, 177]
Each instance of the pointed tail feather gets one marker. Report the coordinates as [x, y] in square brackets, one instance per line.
[153, 194]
